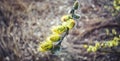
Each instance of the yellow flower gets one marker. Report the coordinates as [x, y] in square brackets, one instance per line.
[97, 45]
[54, 37]
[116, 38]
[114, 31]
[85, 46]
[66, 17]
[45, 46]
[59, 29]
[41, 50]
[110, 44]
[115, 43]
[89, 49]
[70, 23]
[94, 49]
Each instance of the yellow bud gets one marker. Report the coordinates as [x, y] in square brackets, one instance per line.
[97, 45]
[107, 31]
[114, 31]
[110, 44]
[103, 45]
[59, 29]
[89, 49]
[66, 17]
[70, 23]
[116, 38]
[94, 49]
[41, 50]
[115, 43]
[45, 46]
[54, 37]
[85, 46]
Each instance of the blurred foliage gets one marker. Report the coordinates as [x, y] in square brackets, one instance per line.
[116, 4]
[106, 44]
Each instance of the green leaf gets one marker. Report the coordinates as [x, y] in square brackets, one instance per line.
[76, 4]
[76, 16]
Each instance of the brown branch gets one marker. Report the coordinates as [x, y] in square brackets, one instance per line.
[114, 22]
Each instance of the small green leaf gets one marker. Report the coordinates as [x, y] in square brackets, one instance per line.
[76, 16]
[55, 49]
[71, 11]
[76, 4]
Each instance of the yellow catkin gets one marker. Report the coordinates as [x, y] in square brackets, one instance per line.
[70, 23]
[58, 29]
[54, 37]
[45, 46]
[65, 18]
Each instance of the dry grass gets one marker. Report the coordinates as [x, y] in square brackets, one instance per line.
[25, 23]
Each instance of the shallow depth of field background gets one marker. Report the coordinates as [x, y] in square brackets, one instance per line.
[25, 23]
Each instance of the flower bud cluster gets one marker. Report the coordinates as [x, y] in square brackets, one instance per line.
[108, 44]
[116, 4]
[68, 23]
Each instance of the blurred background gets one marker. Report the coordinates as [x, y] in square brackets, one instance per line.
[26, 23]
